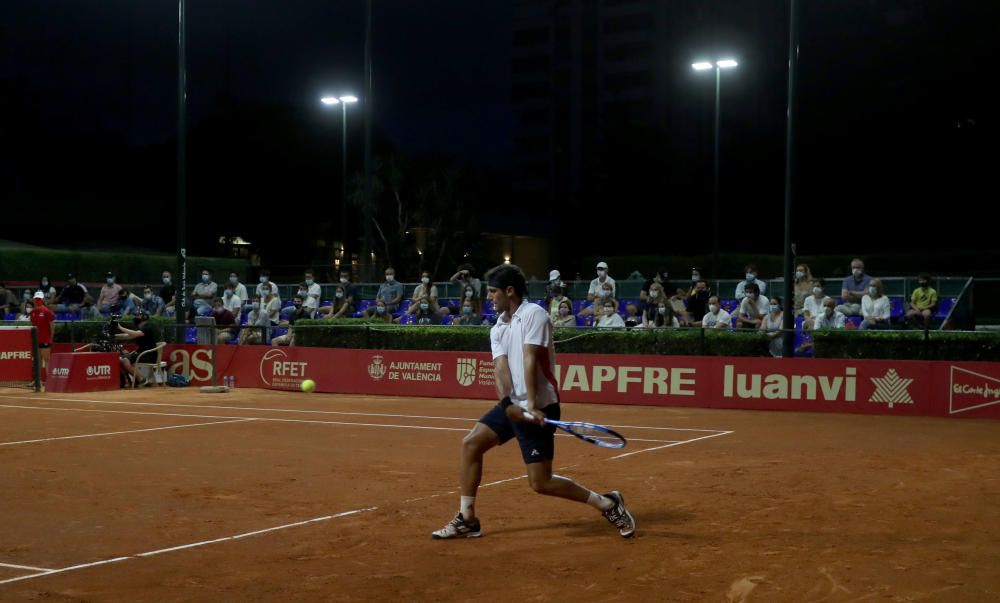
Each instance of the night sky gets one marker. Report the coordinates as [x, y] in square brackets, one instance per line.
[898, 126]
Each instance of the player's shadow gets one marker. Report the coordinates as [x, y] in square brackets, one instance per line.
[659, 523]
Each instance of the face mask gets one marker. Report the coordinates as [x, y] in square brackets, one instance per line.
[654, 294]
[45, 283]
[380, 309]
[753, 296]
[218, 310]
[563, 311]
[343, 280]
[148, 296]
[26, 296]
[800, 275]
[302, 292]
[857, 271]
[424, 306]
[233, 280]
[609, 311]
[263, 279]
[774, 309]
[166, 280]
[817, 291]
[713, 308]
[266, 293]
[204, 278]
[228, 293]
[389, 277]
[750, 277]
[661, 310]
[695, 278]
[872, 291]
[255, 305]
[601, 272]
[424, 280]
[469, 293]
[111, 281]
[340, 294]
[309, 282]
[466, 310]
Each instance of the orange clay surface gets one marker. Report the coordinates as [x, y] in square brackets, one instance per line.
[731, 505]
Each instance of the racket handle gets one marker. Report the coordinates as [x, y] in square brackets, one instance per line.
[527, 414]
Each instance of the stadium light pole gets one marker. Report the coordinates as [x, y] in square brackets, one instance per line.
[181, 210]
[719, 66]
[343, 101]
[788, 322]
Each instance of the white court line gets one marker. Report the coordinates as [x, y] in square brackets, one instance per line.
[296, 410]
[25, 567]
[110, 433]
[714, 435]
[188, 546]
[261, 419]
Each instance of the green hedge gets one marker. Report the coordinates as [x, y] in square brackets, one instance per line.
[907, 345]
[86, 331]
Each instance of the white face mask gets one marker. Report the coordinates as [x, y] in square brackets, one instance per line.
[303, 292]
[204, 278]
[166, 280]
[234, 280]
[148, 295]
[661, 310]
[817, 291]
[263, 279]
[424, 306]
[654, 294]
[774, 309]
[424, 280]
[857, 271]
[389, 278]
[340, 294]
[800, 274]
[45, 283]
[469, 293]
[872, 291]
[309, 282]
[750, 277]
[601, 273]
[343, 280]
[713, 308]
[111, 280]
[228, 293]
[695, 278]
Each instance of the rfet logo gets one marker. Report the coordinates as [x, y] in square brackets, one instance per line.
[276, 371]
[465, 371]
[376, 370]
[970, 390]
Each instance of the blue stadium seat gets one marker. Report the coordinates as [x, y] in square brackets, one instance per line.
[944, 307]
[730, 305]
[362, 306]
[408, 319]
[9, 316]
[447, 320]
[488, 307]
[896, 307]
[286, 303]
[855, 320]
[585, 321]
[191, 335]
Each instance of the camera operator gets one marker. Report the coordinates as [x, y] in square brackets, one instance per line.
[144, 338]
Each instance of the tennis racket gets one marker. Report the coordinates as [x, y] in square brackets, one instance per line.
[592, 433]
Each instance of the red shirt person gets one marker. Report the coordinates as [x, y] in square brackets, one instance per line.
[42, 318]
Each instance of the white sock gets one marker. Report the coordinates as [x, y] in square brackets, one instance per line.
[467, 507]
[601, 503]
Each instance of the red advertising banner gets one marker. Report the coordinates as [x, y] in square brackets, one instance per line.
[16, 363]
[892, 387]
[83, 372]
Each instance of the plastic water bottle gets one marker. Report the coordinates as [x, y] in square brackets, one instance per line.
[232, 381]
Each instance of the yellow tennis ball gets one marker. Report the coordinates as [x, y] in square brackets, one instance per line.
[308, 386]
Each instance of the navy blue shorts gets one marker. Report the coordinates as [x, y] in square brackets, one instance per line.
[537, 442]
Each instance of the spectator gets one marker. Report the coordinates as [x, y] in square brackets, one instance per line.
[804, 283]
[42, 318]
[555, 282]
[168, 293]
[813, 305]
[598, 284]
[875, 307]
[632, 317]
[660, 278]
[239, 289]
[753, 308]
[697, 303]
[224, 321]
[750, 279]
[299, 312]
[556, 295]
[232, 301]
[88, 309]
[425, 313]
[390, 293]
[464, 276]
[152, 304]
[425, 289]
[609, 319]
[923, 302]
[350, 290]
[653, 296]
[564, 315]
[695, 277]
[340, 307]
[829, 318]
[771, 323]
[381, 313]
[302, 293]
[716, 318]
[257, 324]
[854, 289]
[203, 296]
[678, 308]
[265, 279]
[313, 291]
[604, 292]
[270, 303]
[71, 296]
[8, 301]
[48, 291]
[145, 339]
[24, 311]
[109, 294]
[664, 317]
[126, 305]
[469, 318]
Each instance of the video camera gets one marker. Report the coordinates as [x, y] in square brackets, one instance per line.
[106, 341]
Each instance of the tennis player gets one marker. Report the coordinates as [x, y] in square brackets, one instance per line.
[524, 359]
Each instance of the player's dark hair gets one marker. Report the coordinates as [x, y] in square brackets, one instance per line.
[508, 275]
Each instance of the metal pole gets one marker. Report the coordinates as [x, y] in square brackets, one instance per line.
[180, 210]
[366, 248]
[788, 322]
[343, 186]
[715, 174]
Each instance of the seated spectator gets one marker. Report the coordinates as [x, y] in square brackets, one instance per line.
[239, 289]
[257, 324]
[299, 312]
[469, 318]
[313, 291]
[653, 295]
[88, 309]
[609, 318]
[168, 293]
[697, 303]
[265, 279]
[125, 306]
[350, 289]
[555, 296]
[203, 296]
[270, 303]
[605, 292]
[340, 308]
[875, 307]
[750, 279]
[854, 289]
[664, 317]
[464, 279]
[812, 306]
[695, 277]
[804, 283]
[151, 303]
[381, 312]
[603, 282]
[753, 308]
[555, 281]
[772, 322]
[71, 296]
[303, 294]
[826, 318]
[390, 293]
[660, 278]
[47, 290]
[564, 315]
[678, 307]
[425, 314]
[24, 311]
[224, 321]
[8, 301]
[109, 294]
[716, 318]
[923, 303]
[632, 317]
[425, 289]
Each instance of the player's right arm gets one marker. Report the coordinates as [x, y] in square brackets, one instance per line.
[504, 384]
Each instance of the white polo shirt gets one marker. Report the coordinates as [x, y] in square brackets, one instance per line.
[529, 325]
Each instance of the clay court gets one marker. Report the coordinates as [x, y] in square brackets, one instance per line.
[174, 495]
